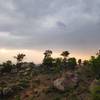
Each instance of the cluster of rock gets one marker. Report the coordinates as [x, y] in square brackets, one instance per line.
[63, 83]
[5, 91]
[25, 69]
[9, 89]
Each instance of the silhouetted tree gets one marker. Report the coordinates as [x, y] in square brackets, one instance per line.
[19, 59]
[48, 60]
[47, 53]
[57, 64]
[58, 61]
[65, 55]
[79, 62]
[95, 64]
[65, 60]
[85, 62]
[7, 66]
[72, 63]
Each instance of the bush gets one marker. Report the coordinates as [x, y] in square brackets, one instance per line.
[7, 66]
[48, 62]
[95, 90]
[71, 63]
[95, 65]
[23, 83]
[17, 97]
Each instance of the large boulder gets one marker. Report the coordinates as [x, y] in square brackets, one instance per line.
[58, 84]
[63, 83]
[25, 69]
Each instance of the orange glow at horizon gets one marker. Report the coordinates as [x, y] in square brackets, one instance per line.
[35, 56]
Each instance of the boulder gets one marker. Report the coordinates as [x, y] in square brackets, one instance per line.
[70, 80]
[58, 84]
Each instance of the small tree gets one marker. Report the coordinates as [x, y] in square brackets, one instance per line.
[47, 53]
[65, 60]
[85, 62]
[48, 60]
[19, 59]
[72, 63]
[65, 55]
[57, 64]
[7, 66]
[95, 65]
[80, 62]
[58, 61]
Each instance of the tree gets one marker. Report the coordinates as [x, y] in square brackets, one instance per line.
[79, 62]
[85, 62]
[19, 57]
[57, 64]
[65, 60]
[7, 66]
[72, 63]
[95, 65]
[48, 60]
[58, 61]
[65, 55]
[47, 53]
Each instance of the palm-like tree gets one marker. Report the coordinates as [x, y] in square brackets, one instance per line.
[48, 60]
[19, 57]
[47, 53]
[65, 54]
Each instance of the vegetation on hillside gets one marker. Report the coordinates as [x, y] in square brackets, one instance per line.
[64, 78]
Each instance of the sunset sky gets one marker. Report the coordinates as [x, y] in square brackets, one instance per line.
[32, 26]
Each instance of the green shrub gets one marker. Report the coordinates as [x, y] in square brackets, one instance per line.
[7, 66]
[95, 65]
[48, 62]
[17, 97]
[71, 63]
[24, 83]
[95, 90]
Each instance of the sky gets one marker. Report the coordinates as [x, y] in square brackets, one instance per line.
[32, 26]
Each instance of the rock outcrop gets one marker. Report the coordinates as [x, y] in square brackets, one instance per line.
[70, 80]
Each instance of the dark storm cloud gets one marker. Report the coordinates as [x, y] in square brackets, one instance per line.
[73, 24]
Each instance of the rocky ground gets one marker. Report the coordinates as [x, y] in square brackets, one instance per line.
[35, 85]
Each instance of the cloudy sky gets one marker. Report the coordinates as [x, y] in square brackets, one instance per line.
[32, 26]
